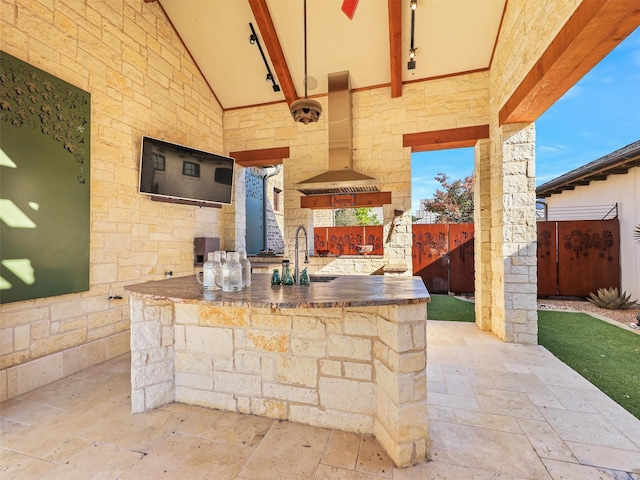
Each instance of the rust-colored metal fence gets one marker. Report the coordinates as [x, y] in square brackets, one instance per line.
[343, 240]
[576, 257]
[443, 256]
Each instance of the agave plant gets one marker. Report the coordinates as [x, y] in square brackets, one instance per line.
[610, 298]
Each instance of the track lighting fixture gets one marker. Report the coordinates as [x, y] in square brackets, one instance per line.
[253, 39]
[411, 65]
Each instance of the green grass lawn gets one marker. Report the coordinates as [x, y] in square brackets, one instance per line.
[445, 307]
[606, 355]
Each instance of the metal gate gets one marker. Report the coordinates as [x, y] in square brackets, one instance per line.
[576, 257]
[443, 256]
[254, 192]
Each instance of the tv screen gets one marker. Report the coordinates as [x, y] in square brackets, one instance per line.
[173, 172]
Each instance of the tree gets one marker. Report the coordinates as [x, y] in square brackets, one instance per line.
[347, 217]
[364, 216]
[454, 202]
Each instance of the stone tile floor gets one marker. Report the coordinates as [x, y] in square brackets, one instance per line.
[496, 411]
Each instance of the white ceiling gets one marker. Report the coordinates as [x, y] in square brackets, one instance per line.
[451, 36]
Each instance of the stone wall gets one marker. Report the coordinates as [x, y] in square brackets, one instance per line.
[324, 218]
[527, 30]
[379, 123]
[347, 265]
[141, 81]
[358, 369]
[343, 265]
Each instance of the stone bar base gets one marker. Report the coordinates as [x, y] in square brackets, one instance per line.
[357, 369]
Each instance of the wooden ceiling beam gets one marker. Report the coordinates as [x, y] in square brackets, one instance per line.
[445, 139]
[265, 157]
[395, 47]
[272, 44]
[594, 29]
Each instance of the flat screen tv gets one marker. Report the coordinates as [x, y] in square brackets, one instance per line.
[175, 173]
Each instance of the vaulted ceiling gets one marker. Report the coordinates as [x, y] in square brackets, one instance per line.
[451, 37]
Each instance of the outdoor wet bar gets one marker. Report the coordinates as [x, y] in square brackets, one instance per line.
[347, 352]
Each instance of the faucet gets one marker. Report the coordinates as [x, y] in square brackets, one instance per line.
[296, 271]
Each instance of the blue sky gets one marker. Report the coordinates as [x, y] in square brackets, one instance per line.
[598, 115]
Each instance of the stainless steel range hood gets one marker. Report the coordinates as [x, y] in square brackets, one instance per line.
[340, 178]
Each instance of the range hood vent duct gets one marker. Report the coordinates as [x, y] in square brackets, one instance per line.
[340, 178]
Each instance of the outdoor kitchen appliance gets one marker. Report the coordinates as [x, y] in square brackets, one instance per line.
[340, 178]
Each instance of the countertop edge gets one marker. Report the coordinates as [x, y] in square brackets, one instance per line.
[344, 291]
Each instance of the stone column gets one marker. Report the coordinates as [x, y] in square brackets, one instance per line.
[513, 275]
[152, 354]
[397, 230]
[482, 233]
[520, 233]
[397, 239]
[400, 362]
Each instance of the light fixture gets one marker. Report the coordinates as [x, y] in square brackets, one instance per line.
[411, 65]
[253, 39]
[305, 110]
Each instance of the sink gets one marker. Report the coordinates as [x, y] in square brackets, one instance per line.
[321, 278]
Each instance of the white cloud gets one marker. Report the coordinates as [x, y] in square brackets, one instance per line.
[549, 152]
[551, 148]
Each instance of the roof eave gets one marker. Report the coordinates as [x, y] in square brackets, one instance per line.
[615, 163]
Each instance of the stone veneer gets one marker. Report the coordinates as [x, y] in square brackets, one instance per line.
[379, 123]
[341, 265]
[358, 369]
[142, 80]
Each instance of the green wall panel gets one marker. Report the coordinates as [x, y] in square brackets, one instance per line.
[44, 183]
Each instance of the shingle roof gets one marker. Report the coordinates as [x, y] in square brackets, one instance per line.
[615, 163]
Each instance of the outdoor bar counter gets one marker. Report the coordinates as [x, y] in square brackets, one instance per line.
[347, 353]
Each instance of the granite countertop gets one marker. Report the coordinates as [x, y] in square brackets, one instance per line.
[343, 291]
